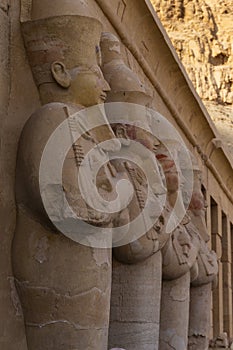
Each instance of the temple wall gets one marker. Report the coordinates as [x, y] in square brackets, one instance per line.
[18, 100]
[174, 98]
[11, 327]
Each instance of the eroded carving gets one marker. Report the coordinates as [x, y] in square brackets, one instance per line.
[201, 286]
[179, 261]
[139, 262]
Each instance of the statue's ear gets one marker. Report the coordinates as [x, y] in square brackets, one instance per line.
[61, 74]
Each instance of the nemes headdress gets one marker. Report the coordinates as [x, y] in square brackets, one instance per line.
[71, 39]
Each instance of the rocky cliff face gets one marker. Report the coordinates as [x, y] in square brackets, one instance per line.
[202, 32]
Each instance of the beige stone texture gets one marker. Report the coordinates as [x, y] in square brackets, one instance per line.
[201, 286]
[179, 267]
[5, 5]
[11, 324]
[135, 304]
[174, 303]
[134, 315]
[63, 288]
[148, 52]
[199, 319]
[53, 282]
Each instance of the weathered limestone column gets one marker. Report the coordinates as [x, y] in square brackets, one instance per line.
[175, 313]
[135, 304]
[11, 320]
[201, 286]
[64, 286]
[199, 319]
[136, 277]
[5, 194]
[200, 299]
[227, 275]
[179, 265]
[216, 233]
[64, 289]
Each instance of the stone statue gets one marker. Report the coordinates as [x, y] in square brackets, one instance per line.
[136, 282]
[201, 287]
[179, 253]
[64, 286]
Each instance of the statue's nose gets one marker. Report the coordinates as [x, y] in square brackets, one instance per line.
[105, 85]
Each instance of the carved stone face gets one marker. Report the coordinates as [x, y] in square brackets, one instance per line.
[185, 243]
[132, 132]
[197, 207]
[144, 137]
[172, 181]
[197, 204]
[173, 176]
[88, 86]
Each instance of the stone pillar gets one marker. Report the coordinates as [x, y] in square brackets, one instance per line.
[134, 315]
[11, 321]
[209, 244]
[216, 233]
[227, 283]
[179, 263]
[64, 289]
[4, 194]
[63, 285]
[179, 268]
[136, 286]
[201, 287]
[199, 319]
[175, 313]
[200, 299]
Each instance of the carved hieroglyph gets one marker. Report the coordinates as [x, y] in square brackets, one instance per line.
[64, 287]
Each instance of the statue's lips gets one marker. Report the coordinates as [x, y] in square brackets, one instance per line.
[103, 96]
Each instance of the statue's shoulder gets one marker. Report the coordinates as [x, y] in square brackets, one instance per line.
[35, 135]
[32, 144]
[44, 121]
[48, 116]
